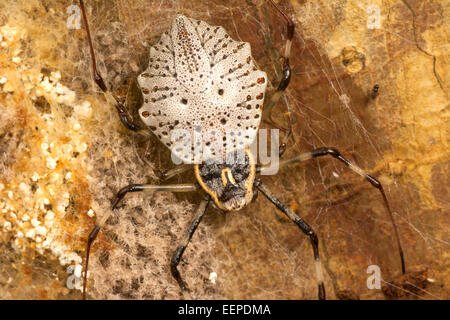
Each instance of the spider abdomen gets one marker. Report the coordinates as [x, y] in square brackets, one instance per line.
[204, 83]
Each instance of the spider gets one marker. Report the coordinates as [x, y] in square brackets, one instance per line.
[173, 95]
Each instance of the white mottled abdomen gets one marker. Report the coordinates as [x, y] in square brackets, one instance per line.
[202, 81]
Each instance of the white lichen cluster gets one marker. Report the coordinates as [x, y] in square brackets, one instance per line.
[35, 202]
[213, 277]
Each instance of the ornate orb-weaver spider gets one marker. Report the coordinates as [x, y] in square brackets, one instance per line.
[197, 72]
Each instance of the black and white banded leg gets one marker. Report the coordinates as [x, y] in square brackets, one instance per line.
[325, 151]
[184, 243]
[286, 78]
[119, 196]
[304, 227]
[125, 118]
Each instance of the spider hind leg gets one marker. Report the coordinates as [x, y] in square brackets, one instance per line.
[326, 151]
[177, 255]
[304, 227]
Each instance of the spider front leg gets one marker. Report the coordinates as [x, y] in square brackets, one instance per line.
[166, 175]
[286, 78]
[184, 243]
[119, 196]
[125, 118]
[373, 181]
[304, 227]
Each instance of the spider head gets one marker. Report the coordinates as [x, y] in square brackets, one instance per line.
[229, 184]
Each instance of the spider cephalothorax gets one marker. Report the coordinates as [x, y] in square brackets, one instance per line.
[229, 184]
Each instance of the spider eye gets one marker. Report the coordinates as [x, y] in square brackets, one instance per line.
[183, 101]
[220, 91]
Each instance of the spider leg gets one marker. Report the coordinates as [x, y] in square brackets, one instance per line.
[121, 110]
[286, 78]
[184, 243]
[373, 181]
[166, 175]
[304, 227]
[119, 196]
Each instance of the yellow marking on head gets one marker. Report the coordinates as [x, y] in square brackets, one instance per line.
[211, 192]
[248, 184]
[226, 173]
[251, 177]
